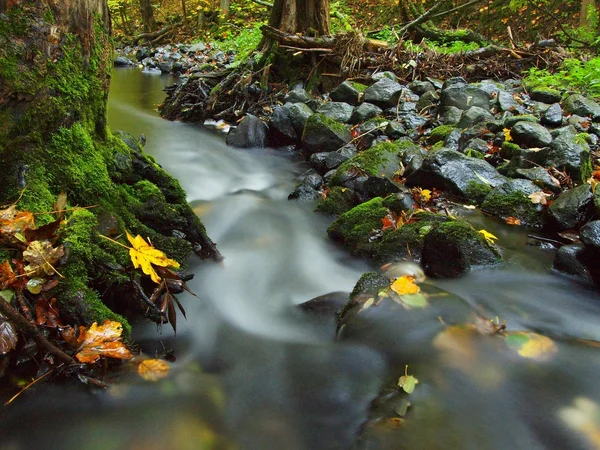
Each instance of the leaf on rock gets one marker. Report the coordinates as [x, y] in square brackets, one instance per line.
[531, 345]
[489, 237]
[425, 194]
[507, 136]
[103, 340]
[153, 369]
[42, 257]
[405, 285]
[8, 336]
[539, 197]
[144, 255]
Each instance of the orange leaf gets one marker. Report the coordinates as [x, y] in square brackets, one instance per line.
[388, 222]
[405, 285]
[153, 369]
[47, 313]
[103, 340]
[7, 275]
[512, 221]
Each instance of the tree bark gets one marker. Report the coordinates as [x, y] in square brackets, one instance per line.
[301, 16]
[147, 15]
[585, 21]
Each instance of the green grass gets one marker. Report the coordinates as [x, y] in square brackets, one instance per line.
[573, 74]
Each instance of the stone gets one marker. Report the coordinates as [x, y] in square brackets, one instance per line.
[463, 96]
[308, 189]
[297, 95]
[553, 116]
[582, 106]
[322, 134]
[540, 177]
[364, 112]
[590, 234]
[250, 133]
[545, 95]
[339, 111]
[450, 115]
[570, 259]
[506, 101]
[571, 152]
[511, 199]
[530, 134]
[384, 93]
[572, 208]
[198, 47]
[510, 121]
[121, 61]
[347, 92]
[421, 87]
[395, 130]
[386, 74]
[427, 100]
[474, 115]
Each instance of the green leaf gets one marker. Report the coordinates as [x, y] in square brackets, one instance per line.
[7, 295]
[408, 383]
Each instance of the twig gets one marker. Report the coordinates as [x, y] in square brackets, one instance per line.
[544, 239]
[464, 5]
[422, 18]
[14, 397]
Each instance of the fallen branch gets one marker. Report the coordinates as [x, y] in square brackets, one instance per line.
[152, 36]
[419, 20]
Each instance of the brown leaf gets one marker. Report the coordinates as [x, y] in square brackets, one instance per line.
[153, 369]
[8, 335]
[42, 257]
[47, 314]
[60, 206]
[7, 275]
[512, 221]
[13, 223]
[102, 340]
[45, 232]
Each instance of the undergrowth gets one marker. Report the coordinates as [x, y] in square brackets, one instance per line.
[573, 74]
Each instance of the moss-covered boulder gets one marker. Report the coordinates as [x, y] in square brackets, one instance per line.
[453, 248]
[322, 134]
[338, 201]
[572, 208]
[511, 199]
[570, 151]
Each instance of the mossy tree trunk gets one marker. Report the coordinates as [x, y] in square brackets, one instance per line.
[55, 64]
[301, 16]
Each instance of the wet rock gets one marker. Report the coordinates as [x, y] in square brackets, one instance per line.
[338, 201]
[571, 260]
[553, 116]
[582, 106]
[337, 111]
[297, 95]
[450, 115]
[476, 148]
[383, 75]
[452, 248]
[511, 199]
[250, 133]
[571, 152]
[326, 161]
[474, 115]
[590, 234]
[395, 130]
[165, 66]
[384, 93]
[280, 124]
[456, 92]
[308, 190]
[579, 123]
[411, 120]
[427, 100]
[511, 121]
[530, 134]
[122, 61]
[421, 87]
[195, 48]
[572, 208]
[540, 177]
[545, 95]
[506, 101]
[450, 170]
[143, 53]
[322, 134]
[348, 92]
[440, 133]
[364, 112]
[453, 139]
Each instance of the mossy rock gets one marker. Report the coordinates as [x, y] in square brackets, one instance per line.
[511, 199]
[338, 201]
[322, 134]
[476, 191]
[353, 229]
[440, 133]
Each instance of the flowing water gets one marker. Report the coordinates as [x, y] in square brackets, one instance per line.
[253, 372]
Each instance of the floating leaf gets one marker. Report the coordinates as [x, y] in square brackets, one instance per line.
[512, 221]
[414, 301]
[584, 417]
[41, 257]
[102, 340]
[539, 197]
[153, 369]
[489, 237]
[405, 285]
[144, 255]
[531, 345]
[8, 336]
[407, 382]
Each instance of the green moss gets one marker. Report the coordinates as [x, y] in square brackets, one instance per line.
[354, 227]
[509, 122]
[370, 283]
[359, 86]
[509, 149]
[515, 204]
[440, 133]
[583, 138]
[316, 121]
[438, 145]
[338, 201]
[476, 192]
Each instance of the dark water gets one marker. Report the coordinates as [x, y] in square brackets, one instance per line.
[254, 373]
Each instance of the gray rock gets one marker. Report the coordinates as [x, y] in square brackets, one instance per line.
[530, 134]
[570, 151]
[322, 134]
[582, 106]
[511, 199]
[450, 170]
[421, 87]
[412, 120]
[474, 115]
[121, 61]
[308, 189]
[506, 101]
[545, 95]
[384, 93]
[198, 47]
[364, 112]
[581, 124]
[326, 161]
[165, 66]
[297, 95]
[346, 92]
[143, 53]
[572, 208]
[553, 116]
[395, 130]
[540, 177]
[381, 75]
[464, 96]
[570, 259]
[450, 115]
[339, 111]
[590, 234]
[428, 99]
[250, 133]
[450, 249]
[510, 121]
[475, 145]
[452, 141]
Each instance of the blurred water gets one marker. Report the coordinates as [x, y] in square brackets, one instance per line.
[253, 373]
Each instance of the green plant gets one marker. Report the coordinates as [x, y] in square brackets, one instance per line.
[444, 49]
[583, 76]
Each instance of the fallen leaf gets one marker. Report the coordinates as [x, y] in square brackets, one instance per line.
[489, 237]
[102, 340]
[388, 222]
[8, 336]
[35, 285]
[153, 369]
[512, 221]
[407, 382]
[367, 304]
[507, 136]
[13, 223]
[7, 275]
[405, 285]
[425, 194]
[144, 255]
[531, 345]
[41, 257]
[47, 313]
[539, 197]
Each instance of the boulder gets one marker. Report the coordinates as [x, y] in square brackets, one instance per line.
[339, 111]
[348, 92]
[308, 190]
[553, 116]
[571, 152]
[297, 95]
[540, 177]
[427, 100]
[582, 106]
[421, 87]
[511, 199]
[322, 134]
[250, 133]
[571, 260]
[474, 115]
[364, 112]
[506, 101]
[384, 93]
[545, 95]
[590, 234]
[572, 208]
[456, 92]
[530, 134]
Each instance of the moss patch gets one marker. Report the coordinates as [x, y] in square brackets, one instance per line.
[338, 201]
[440, 133]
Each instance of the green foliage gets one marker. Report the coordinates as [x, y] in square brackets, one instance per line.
[387, 34]
[341, 17]
[444, 49]
[573, 74]
[243, 43]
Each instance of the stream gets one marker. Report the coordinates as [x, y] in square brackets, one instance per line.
[254, 372]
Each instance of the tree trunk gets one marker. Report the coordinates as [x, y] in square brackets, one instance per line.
[585, 19]
[54, 78]
[147, 15]
[301, 16]
[224, 5]
[184, 13]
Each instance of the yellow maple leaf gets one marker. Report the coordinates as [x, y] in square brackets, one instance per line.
[144, 255]
[425, 194]
[405, 285]
[507, 136]
[489, 237]
[102, 340]
[153, 369]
